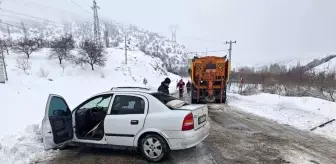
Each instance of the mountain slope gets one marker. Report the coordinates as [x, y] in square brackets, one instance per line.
[112, 35]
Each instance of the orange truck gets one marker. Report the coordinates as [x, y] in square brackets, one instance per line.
[209, 78]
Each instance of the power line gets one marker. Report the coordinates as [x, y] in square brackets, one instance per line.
[81, 7]
[41, 7]
[207, 51]
[27, 15]
[202, 39]
[11, 25]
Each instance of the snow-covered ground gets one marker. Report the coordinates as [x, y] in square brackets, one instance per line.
[303, 113]
[23, 97]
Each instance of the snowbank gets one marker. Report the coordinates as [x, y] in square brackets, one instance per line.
[23, 97]
[24, 147]
[301, 112]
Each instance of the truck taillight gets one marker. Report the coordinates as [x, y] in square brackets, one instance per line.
[188, 122]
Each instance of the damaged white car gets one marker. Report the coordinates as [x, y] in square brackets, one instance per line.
[126, 117]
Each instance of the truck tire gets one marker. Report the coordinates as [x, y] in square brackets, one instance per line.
[223, 100]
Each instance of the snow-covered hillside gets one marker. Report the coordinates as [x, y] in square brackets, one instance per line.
[113, 35]
[329, 66]
[313, 63]
[23, 97]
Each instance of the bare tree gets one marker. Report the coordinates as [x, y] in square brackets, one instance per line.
[91, 54]
[23, 64]
[39, 42]
[27, 47]
[61, 48]
[5, 46]
[43, 73]
[63, 68]
[330, 84]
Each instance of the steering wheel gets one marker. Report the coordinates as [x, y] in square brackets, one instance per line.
[93, 110]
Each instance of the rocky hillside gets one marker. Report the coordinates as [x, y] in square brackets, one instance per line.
[112, 35]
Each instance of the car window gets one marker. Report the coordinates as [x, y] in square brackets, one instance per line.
[124, 104]
[58, 107]
[102, 101]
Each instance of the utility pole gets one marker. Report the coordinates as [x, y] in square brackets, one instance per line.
[127, 42]
[230, 49]
[96, 25]
[9, 36]
[173, 29]
[24, 31]
[126, 48]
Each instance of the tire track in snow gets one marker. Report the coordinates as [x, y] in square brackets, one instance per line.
[198, 155]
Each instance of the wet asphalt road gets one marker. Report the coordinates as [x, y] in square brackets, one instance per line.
[235, 138]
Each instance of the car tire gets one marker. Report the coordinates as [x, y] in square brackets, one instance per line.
[154, 148]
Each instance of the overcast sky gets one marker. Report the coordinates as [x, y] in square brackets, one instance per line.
[265, 30]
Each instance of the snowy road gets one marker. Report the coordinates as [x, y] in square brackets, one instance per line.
[235, 137]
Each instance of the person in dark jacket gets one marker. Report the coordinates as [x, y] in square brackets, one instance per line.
[164, 87]
[188, 86]
[180, 86]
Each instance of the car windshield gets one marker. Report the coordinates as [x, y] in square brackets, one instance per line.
[170, 101]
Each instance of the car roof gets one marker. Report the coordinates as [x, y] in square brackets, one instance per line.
[130, 89]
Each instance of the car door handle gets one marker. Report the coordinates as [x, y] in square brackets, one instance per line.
[134, 122]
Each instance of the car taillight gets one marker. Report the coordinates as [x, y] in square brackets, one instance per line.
[188, 122]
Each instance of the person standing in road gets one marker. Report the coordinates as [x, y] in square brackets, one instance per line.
[164, 87]
[180, 86]
[241, 83]
[188, 86]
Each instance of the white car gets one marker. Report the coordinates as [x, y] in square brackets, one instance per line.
[126, 117]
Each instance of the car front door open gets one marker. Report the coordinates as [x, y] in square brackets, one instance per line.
[57, 127]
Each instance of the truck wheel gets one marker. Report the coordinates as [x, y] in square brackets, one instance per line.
[154, 148]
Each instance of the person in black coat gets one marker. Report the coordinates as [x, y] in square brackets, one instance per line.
[164, 87]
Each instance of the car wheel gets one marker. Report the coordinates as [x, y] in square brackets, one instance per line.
[154, 148]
